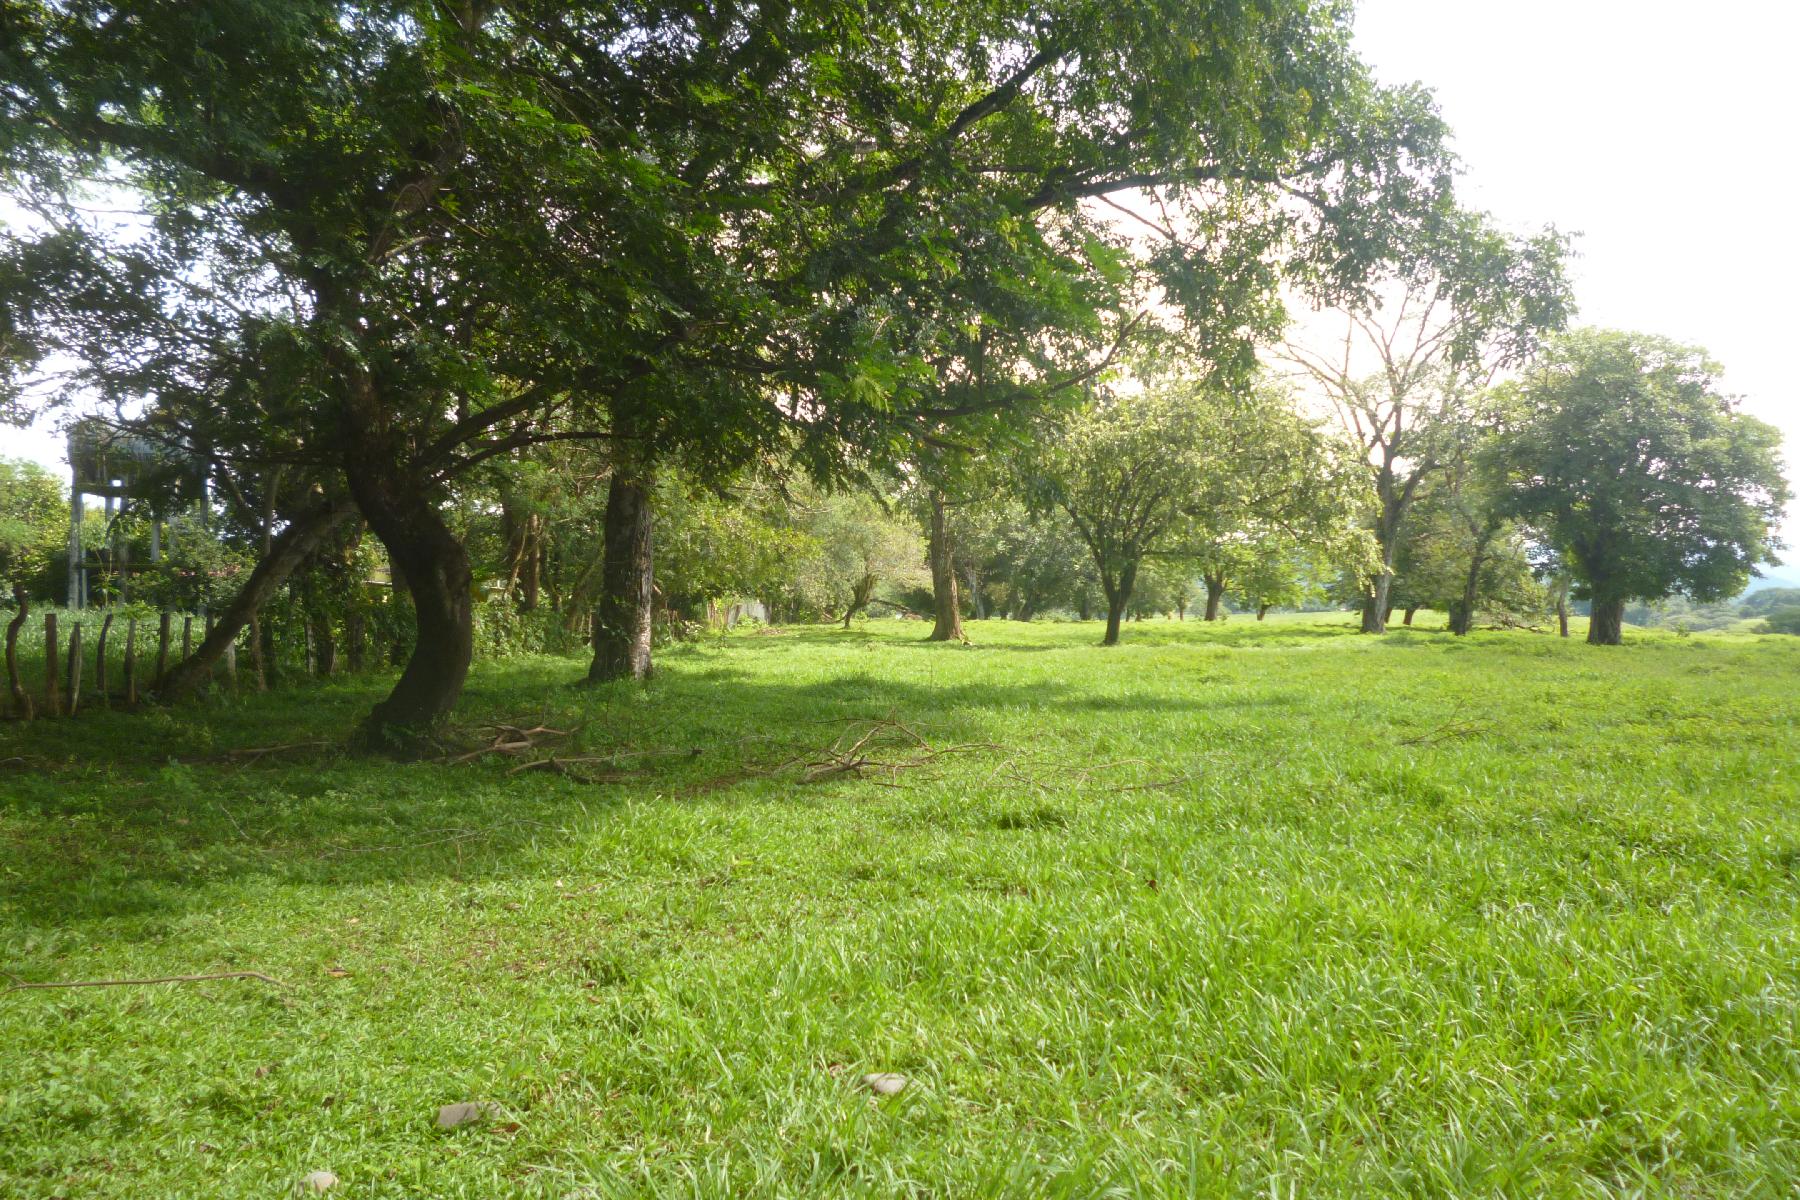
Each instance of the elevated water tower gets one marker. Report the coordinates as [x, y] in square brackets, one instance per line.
[132, 473]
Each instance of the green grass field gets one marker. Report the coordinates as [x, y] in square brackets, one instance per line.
[1260, 910]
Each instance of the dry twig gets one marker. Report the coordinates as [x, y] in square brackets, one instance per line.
[76, 983]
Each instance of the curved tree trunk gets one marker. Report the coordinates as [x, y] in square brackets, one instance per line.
[860, 593]
[285, 553]
[1606, 624]
[1262, 610]
[622, 619]
[1215, 592]
[947, 605]
[1377, 607]
[435, 566]
[1406, 618]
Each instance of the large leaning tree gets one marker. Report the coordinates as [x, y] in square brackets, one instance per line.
[340, 271]
[1641, 473]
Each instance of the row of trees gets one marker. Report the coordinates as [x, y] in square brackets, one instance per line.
[1151, 495]
[505, 283]
[389, 246]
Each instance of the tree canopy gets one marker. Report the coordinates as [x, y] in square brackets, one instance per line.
[1641, 472]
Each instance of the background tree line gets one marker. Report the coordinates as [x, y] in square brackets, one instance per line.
[520, 292]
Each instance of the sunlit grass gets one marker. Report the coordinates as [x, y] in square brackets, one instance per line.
[1244, 910]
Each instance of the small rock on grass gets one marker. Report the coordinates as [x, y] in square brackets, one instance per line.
[319, 1181]
[452, 1115]
[885, 1083]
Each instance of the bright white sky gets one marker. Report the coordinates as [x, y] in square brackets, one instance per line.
[1660, 130]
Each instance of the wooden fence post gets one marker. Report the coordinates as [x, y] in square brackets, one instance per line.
[52, 685]
[162, 646]
[129, 668]
[100, 659]
[74, 675]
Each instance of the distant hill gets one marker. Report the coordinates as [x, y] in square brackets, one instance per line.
[1780, 577]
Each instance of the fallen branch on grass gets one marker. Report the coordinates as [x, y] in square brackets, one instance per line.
[77, 983]
[839, 759]
[511, 741]
[252, 753]
[1449, 731]
[1501, 621]
[561, 766]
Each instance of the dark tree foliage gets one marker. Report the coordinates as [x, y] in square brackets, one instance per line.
[387, 242]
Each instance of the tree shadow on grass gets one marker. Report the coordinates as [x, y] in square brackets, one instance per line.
[1029, 637]
[136, 818]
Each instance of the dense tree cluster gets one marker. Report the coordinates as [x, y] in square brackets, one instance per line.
[507, 323]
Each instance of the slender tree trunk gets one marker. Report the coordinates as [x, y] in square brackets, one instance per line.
[534, 557]
[1115, 612]
[324, 646]
[285, 553]
[1118, 598]
[1084, 607]
[1462, 614]
[947, 605]
[258, 667]
[1262, 610]
[1406, 618]
[975, 593]
[1606, 624]
[1560, 593]
[20, 697]
[435, 566]
[622, 620]
[355, 636]
[1215, 592]
[1376, 605]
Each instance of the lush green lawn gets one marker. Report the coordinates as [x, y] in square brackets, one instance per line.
[1254, 910]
